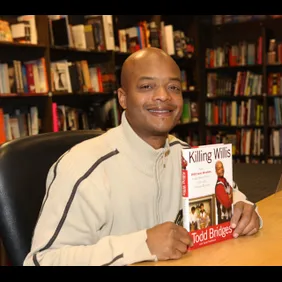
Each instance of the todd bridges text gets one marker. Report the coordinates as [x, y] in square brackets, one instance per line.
[216, 233]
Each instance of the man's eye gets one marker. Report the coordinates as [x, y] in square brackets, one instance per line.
[175, 88]
[147, 86]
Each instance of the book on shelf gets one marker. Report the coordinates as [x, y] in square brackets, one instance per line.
[207, 193]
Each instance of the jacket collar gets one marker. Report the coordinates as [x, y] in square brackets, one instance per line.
[141, 153]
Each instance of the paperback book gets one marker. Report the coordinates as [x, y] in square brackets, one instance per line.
[207, 177]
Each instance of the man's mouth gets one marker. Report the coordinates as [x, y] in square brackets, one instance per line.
[159, 111]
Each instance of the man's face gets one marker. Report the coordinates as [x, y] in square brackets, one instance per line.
[220, 169]
[153, 97]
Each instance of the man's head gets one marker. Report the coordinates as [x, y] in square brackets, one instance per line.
[151, 92]
[219, 169]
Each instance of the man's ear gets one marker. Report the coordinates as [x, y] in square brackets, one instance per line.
[122, 98]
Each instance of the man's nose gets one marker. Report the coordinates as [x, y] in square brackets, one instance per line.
[161, 93]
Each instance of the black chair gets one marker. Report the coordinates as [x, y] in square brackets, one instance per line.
[24, 164]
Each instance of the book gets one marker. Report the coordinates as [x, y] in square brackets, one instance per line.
[207, 177]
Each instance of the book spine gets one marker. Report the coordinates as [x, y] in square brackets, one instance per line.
[185, 199]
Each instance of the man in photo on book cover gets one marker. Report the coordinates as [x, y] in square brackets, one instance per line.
[224, 195]
[194, 219]
[204, 218]
[112, 200]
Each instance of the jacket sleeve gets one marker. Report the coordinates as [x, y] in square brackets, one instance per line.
[74, 226]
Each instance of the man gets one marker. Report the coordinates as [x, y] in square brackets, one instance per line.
[204, 218]
[224, 195]
[194, 219]
[112, 200]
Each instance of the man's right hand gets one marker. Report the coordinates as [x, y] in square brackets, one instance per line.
[168, 241]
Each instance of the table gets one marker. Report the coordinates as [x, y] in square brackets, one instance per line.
[261, 249]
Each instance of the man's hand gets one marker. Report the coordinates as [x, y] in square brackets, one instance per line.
[245, 220]
[168, 241]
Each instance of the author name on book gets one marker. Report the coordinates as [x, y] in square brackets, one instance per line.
[212, 234]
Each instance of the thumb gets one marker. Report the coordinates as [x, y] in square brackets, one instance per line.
[237, 212]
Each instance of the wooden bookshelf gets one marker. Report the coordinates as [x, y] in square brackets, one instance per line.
[204, 34]
[220, 73]
[113, 58]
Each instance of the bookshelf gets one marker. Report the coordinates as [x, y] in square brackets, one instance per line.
[203, 78]
[86, 100]
[242, 93]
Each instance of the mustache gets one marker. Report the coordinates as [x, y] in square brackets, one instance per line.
[163, 107]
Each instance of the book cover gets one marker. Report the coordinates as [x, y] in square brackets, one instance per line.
[207, 177]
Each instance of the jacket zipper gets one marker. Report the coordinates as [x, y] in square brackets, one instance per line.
[160, 158]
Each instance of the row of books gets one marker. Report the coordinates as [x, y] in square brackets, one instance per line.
[23, 77]
[73, 77]
[275, 112]
[21, 123]
[97, 33]
[274, 83]
[274, 54]
[249, 142]
[275, 142]
[190, 112]
[230, 55]
[23, 30]
[82, 77]
[234, 113]
[66, 76]
[174, 42]
[247, 83]
[100, 116]
[244, 141]
[226, 19]
[27, 121]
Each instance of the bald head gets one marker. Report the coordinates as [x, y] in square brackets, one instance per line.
[142, 58]
[151, 94]
[218, 163]
[219, 168]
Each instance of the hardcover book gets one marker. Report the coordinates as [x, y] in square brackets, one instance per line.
[207, 177]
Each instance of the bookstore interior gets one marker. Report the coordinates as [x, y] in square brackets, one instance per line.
[62, 72]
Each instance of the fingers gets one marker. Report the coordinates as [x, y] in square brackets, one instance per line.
[180, 242]
[184, 236]
[176, 254]
[237, 212]
[252, 227]
[245, 220]
[181, 247]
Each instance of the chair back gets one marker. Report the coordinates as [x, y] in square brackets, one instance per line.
[24, 164]
[257, 181]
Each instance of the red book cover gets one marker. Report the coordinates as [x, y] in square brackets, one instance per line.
[30, 77]
[55, 117]
[207, 192]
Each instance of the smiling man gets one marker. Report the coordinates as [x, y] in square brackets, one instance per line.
[151, 94]
[113, 199]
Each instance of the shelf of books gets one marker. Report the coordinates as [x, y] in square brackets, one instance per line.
[70, 65]
[242, 102]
